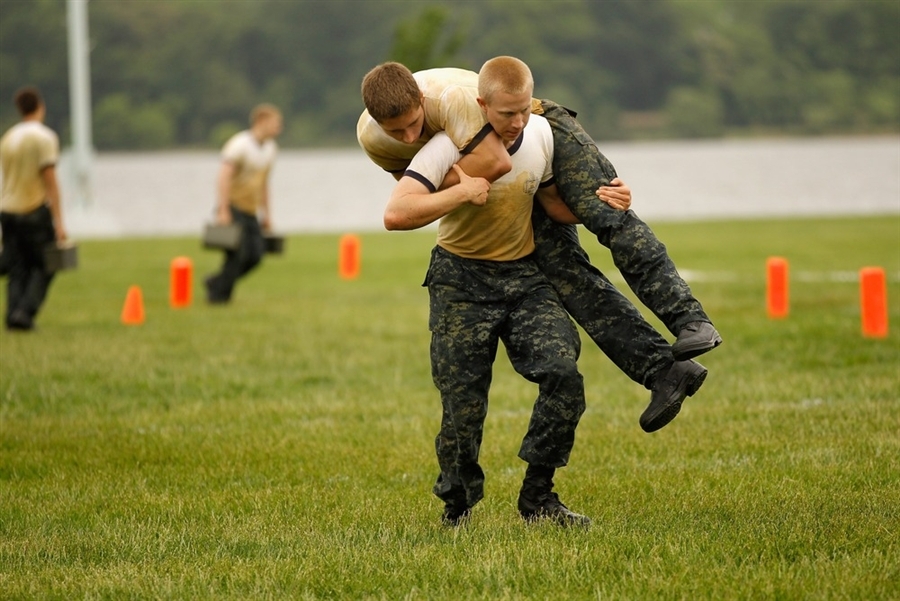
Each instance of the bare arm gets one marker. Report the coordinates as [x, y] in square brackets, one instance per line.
[48, 174]
[553, 204]
[265, 220]
[223, 187]
[489, 160]
[412, 205]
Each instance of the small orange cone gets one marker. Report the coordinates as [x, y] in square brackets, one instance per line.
[133, 311]
[181, 270]
[777, 287]
[873, 302]
[348, 256]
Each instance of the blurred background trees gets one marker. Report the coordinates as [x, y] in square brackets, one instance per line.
[185, 73]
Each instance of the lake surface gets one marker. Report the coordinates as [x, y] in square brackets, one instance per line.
[323, 190]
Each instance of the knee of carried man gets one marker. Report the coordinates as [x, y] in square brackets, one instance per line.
[565, 367]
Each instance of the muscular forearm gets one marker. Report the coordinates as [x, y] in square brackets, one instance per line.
[410, 211]
[554, 206]
[412, 205]
[53, 203]
[51, 187]
[223, 193]
[265, 214]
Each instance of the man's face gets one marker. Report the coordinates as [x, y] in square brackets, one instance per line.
[269, 126]
[274, 126]
[507, 113]
[406, 128]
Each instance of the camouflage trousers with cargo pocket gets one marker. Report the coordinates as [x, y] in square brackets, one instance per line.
[474, 305]
[579, 168]
[612, 321]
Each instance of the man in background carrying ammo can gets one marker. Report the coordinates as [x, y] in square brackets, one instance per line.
[29, 208]
[243, 197]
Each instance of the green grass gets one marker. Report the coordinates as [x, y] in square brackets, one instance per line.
[282, 447]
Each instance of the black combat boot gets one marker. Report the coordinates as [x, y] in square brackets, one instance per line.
[538, 501]
[694, 339]
[455, 515]
[456, 511]
[682, 380]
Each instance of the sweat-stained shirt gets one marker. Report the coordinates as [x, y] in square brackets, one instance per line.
[451, 106]
[501, 229]
[252, 163]
[26, 149]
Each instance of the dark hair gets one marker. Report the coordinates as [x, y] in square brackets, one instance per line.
[390, 90]
[28, 100]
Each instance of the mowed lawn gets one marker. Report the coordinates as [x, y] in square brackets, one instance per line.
[281, 447]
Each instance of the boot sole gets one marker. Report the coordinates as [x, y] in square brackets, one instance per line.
[689, 351]
[692, 383]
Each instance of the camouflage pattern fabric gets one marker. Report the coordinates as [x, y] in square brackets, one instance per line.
[579, 169]
[474, 305]
[611, 320]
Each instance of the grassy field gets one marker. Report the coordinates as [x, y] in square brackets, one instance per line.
[282, 447]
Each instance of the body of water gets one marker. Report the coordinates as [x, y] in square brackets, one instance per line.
[172, 193]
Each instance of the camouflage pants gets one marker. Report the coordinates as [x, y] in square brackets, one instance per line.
[611, 320]
[473, 306]
[579, 169]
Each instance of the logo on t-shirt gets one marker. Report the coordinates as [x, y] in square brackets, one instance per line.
[531, 185]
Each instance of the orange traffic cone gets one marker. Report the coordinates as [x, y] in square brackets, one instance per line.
[777, 287]
[133, 311]
[180, 276]
[873, 302]
[348, 256]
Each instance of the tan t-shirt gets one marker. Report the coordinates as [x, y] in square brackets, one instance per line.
[450, 101]
[25, 151]
[451, 106]
[501, 229]
[252, 163]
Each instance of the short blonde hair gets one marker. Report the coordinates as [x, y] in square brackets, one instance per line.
[263, 111]
[504, 74]
[389, 91]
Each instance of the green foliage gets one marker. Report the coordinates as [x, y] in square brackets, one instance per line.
[282, 447]
[121, 126]
[427, 41]
[196, 67]
[882, 102]
[693, 113]
[833, 101]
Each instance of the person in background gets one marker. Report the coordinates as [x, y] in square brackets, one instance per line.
[30, 213]
[243, 197]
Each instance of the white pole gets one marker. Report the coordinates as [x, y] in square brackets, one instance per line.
[80, 99]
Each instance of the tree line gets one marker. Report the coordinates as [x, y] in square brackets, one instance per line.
[185, 73]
